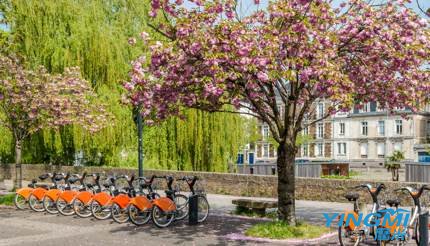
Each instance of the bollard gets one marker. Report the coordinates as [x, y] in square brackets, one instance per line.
[423, 228]
[193, 210]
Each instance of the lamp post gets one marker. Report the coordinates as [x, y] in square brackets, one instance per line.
[139, 122]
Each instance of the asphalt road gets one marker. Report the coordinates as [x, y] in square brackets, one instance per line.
[30, 228]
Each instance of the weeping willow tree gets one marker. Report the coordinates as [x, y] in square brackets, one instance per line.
[93, 35]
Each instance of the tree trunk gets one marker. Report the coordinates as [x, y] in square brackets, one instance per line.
[286, 183]
[18, 169]
[18, 152]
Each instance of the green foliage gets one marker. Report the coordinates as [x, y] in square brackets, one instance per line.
[392, 161]
[7, 199]
[335, 177]
[93, 35]
[281, 230]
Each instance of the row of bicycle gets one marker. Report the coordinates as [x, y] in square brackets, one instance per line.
[385, 225]
[100, 196]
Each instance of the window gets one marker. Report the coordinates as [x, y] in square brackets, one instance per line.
[265, 131]
[266, 150]
[306, 131]
[320, 130]
[320, 149]
[341, 128]
[363, 150]
[364, 128]
[341, 148]
[305, 150]
[398, 146]
[428, 128]
[399, 127]
[320, 112]
[381, 128]
[380, 148]
[365, 108]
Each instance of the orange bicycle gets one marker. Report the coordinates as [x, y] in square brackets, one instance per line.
[22, 195]
[139, 210]
[166, 209]
[119, 204]
[64, 202]
[102, 202]
[82, 201]
[35, 200]
[51, 196]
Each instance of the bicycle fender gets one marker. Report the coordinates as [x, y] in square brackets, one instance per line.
[68, 195]
[102, 198]
[39, 193]
[165, 204]
[141, 202]
[85, 197]
[25, 192]
[53, 194]
[122, 200]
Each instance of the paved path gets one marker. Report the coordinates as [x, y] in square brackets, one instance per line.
[29, 228]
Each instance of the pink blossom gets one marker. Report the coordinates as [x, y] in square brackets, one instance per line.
[262, 76]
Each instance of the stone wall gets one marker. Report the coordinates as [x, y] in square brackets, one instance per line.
[316, 189]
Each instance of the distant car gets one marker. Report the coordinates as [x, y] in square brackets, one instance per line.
[301, 161]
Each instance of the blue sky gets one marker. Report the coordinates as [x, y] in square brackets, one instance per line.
[248, 6]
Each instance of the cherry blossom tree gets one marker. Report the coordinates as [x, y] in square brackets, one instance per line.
[32, 100]
[281, 59]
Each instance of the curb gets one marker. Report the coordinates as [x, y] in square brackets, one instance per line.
[242, 237]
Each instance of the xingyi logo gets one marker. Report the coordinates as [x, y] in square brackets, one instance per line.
[391, 224]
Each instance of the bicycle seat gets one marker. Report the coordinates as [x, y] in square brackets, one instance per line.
[44, 176]
[393, 202]
[352, 196]
[44, 186]
[73, 180]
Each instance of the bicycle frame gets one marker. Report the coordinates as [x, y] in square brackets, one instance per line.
[86, 196]
[123, 200]
[144, 203]
[167, 204]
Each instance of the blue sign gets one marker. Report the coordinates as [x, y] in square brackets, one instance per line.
[384, 218]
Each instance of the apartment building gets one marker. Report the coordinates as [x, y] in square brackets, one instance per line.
[318, 146]
[367, 136]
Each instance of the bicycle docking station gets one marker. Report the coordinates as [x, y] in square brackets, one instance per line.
[423, 221]
[193, 210]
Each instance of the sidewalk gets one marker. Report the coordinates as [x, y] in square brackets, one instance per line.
[310, 211]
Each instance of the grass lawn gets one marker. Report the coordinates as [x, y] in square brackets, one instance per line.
[280, 230]
[7, 199]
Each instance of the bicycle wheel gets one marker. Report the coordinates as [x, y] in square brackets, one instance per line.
[81, 209]
[181, 202]
[417, 232]
[137, 216]
[203, 208]
[20, 201]
[64, 208]
[35, 204]
[160, 218]
[99, 212]
[49, 205]
[119, 215]
[346, 238]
